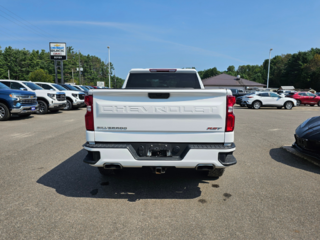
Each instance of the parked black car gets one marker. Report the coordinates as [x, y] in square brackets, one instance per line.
[308, 137]
[237, 92]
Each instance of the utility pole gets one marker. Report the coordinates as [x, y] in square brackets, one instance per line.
[269, 68]
[8, 74]
[72, 76]
[109, 66]
[115, 85]
[79, 70]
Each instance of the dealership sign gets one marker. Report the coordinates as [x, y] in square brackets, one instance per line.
[58, 51]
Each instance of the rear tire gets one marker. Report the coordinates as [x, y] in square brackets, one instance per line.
[217, 172]
[4, 112]
[107, 172]
[288, 105]
[298, 102]
[256, 105]
[43, 107]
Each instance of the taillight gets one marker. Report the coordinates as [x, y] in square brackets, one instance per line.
[89, 115]
[231, 100]
[249, 97]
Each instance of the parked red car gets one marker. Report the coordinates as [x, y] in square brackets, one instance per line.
[305, 98]
[94, 87]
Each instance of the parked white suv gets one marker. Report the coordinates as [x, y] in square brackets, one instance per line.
[74, 99]
[47, 99]
[269, 99]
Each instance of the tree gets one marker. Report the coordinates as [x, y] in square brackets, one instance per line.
[40, 76]
[231, 69]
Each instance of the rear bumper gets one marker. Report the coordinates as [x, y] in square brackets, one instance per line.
[216, 154]
[25, 110]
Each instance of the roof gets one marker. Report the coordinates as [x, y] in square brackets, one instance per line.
[287, 87]
[228, 80]
[147, 70]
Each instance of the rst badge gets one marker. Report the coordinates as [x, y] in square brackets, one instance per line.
[213, 128]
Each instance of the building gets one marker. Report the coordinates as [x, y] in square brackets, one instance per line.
[227, 81]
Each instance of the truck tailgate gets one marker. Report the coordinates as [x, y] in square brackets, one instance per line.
[127, 115]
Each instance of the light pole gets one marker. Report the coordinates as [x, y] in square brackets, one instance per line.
[79, 70]
[269, 68]
[109, 65]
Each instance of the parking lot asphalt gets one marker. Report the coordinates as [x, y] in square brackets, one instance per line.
[47, 192]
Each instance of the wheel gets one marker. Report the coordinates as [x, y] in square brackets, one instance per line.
[217, 172]
[54, 110]
[256, 105]
[288, 105]
[69, 105]
[279, 107]
[298, 102]
[43, 107]
[4, 112]
[108, 172]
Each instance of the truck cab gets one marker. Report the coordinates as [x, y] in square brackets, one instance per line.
[47, 99]
[16, 102]
[162, 118]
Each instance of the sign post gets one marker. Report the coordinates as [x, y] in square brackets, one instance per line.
[58, 52]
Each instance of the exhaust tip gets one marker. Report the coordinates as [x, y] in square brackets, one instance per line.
[205, 167]
[112, 166]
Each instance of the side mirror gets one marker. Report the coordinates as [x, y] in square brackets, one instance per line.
[23, 89]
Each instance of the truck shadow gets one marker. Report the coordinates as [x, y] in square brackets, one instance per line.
[73, 178]
[282, 156]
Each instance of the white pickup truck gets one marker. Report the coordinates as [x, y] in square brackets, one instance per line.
[162, 118]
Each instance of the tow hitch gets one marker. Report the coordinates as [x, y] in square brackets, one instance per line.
[159, 170]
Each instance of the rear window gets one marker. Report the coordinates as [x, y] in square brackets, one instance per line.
[163, 80]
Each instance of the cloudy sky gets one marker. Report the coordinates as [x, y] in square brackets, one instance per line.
[164, 34]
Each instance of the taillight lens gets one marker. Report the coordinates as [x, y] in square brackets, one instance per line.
[230, 119]
[249, 97]
[89, 115]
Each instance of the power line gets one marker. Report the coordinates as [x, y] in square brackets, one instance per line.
[48, 34]
[12, 32]
[16, 23]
